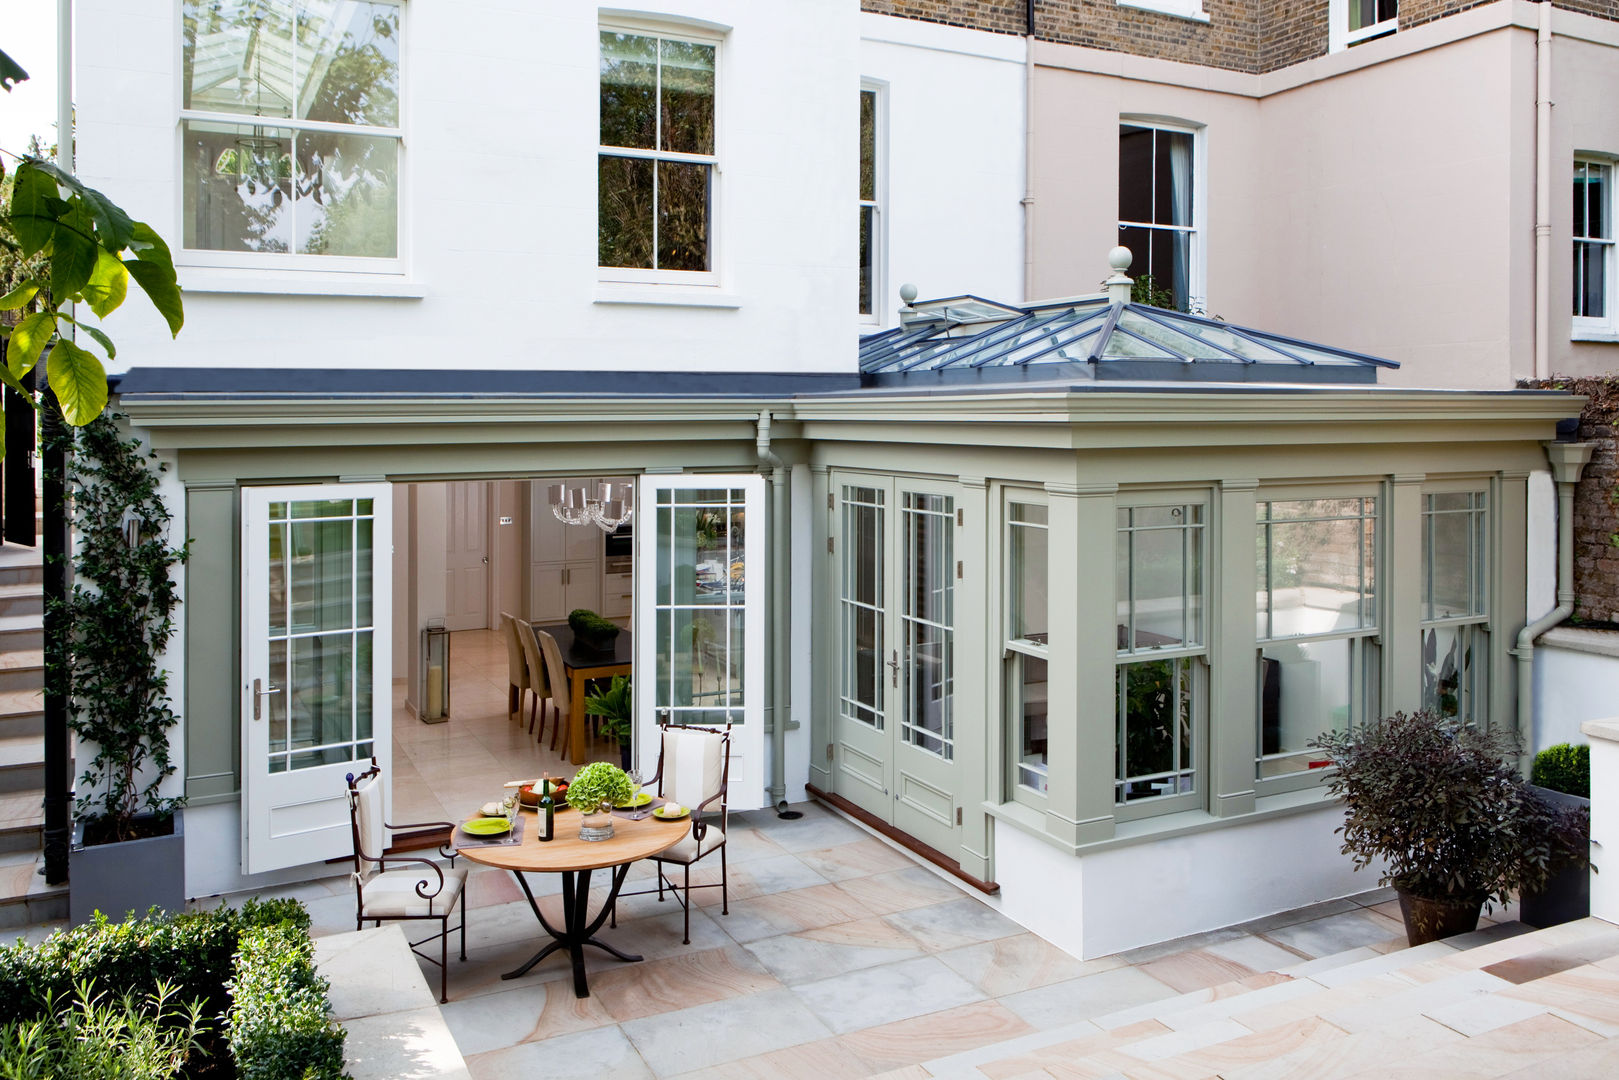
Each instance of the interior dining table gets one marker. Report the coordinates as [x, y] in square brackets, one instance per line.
[575, 859]
[582, 664]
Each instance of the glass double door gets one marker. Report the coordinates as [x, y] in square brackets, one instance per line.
[895, 752]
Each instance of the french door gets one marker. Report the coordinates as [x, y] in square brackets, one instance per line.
[700, 618]
[895, 752]
[316, 666]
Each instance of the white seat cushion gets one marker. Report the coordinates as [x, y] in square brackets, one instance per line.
[393, 894]
[688, 850]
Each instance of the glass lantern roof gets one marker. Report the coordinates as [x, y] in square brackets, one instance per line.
[967, 338]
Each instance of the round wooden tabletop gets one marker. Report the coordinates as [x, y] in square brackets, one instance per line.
[631, 840]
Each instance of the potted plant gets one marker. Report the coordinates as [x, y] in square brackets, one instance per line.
[591, 630]
[1436, 804]
[128, 850]
[613, 705]
[594, 791]
[1561, 777]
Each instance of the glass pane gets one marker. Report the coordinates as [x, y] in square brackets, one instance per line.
[868, 144]
[1027, 681]
[321, 698]
[1304, 690]
[318, 508]
[1321, 573]
[278, 578]
[237, 187]
[1159, 583]
[1031, 575]
[348, 62]
[928, 685]
[363, 583]
[629, 88]
[1596, 202]
[1591, 280]
[1452, 557]
[1154, 752]
[1135, 176]
[734, 663]
[362, 685]
[687, 72]
[275, 705]
[683, 211]
[348, 195]
[862, 612]
[624, 212]
[322, 572]
[1580, 196]
[1172, 179]
[1454, 662]
[867, 213]
[237, 56]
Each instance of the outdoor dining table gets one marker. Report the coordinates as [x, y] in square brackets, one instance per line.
[581, 665]
[575, 859]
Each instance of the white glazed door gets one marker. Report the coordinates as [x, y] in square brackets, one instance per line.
[317, 679]
[700, 617]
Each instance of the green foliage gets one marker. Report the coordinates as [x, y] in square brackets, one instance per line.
[614, 705]
[591, 626]
[597, 783]
[93, 1037]
[1437, 800]
[280, 1024]
[1146, 290]
[1563, 768]
[119, 618]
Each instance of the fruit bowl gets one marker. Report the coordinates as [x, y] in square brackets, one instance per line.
[529, 794]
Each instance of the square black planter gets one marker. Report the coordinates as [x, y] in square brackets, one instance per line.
[1567, 895]
[116, 879]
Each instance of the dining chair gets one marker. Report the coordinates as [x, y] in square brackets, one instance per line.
[694, 768]
[516, 667]
[561, 693]
[429, 893]
[538, 679]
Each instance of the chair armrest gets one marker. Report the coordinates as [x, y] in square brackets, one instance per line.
[418, 824]
[421, 890]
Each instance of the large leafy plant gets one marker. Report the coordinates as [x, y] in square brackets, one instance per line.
[597, 783]
[615, 705]
[1437, 803]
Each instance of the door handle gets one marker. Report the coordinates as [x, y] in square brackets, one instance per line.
[486, 560]
[259, 694]
[894, 666]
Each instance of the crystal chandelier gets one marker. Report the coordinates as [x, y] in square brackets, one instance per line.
[609, 508]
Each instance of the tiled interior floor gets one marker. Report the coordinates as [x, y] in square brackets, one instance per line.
[444, 772]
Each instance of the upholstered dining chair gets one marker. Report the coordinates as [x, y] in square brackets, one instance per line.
[516, 666]
[539, 679]
[561, 694]
[427, 892]
[694, 767]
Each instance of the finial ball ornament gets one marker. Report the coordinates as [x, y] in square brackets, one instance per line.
[907, 292]
[1120, 258]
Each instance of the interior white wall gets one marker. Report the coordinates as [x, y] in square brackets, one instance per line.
[954, 156]
[501, 136]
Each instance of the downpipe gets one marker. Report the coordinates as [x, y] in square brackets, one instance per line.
[1543, 193]
[777, 685]
[1568, 461]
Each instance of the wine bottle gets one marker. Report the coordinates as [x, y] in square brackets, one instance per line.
[547, 808]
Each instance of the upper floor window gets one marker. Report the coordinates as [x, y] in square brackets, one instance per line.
[290, 132]
[1158, 213]
[655, 172]
[1594, 272]
[1355, 21]
[870, 203]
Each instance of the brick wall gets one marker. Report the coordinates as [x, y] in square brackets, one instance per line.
[1241, 35]
[1596, 501]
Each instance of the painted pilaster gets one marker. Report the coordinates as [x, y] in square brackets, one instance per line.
[823, 634]
[213, 730]
[1402, 585]
[1233, 712]
[977, 724]
[1508, 604]
[1080, 720]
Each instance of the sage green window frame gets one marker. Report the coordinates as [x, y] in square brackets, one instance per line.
[1362, 643]
[1455, 637]
[1138, 515]
[1024, 654]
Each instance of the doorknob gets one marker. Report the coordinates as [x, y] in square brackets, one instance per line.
[259, 694]
[486, 560]
[894, 666]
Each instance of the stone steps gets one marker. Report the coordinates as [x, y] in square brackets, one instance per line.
[1526, 999]
[24, 897]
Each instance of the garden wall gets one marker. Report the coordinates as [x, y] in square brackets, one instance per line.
[1596, 500]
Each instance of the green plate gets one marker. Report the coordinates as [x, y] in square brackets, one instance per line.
[659, 813]
[487, 826]
[640, 800]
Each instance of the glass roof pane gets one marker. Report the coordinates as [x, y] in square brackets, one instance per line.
[1183, 345]
[1243, 347]
[1320, 356]
[1121, 346]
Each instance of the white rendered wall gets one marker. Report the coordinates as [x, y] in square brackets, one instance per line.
[1603, 736]
[500, 119]
[1138, 894]
[1571, 687]
[1541, 547]
[953, 105]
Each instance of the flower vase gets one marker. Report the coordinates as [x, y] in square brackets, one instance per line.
[597, 825]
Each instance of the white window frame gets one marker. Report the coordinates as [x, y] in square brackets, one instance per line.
[350, 266]
[1197, 280]
[1015, 649]
[1194, 652]
[1474, 625]
[701, 34]
[1365, 657]
[1340, 37]
[1180, 9]
[878, 204]
[1605, 327]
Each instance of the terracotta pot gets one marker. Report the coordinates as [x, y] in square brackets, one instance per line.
[1429, 920]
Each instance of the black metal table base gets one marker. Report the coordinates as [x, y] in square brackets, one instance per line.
[578, 928]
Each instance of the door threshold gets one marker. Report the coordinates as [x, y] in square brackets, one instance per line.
[903, 839]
